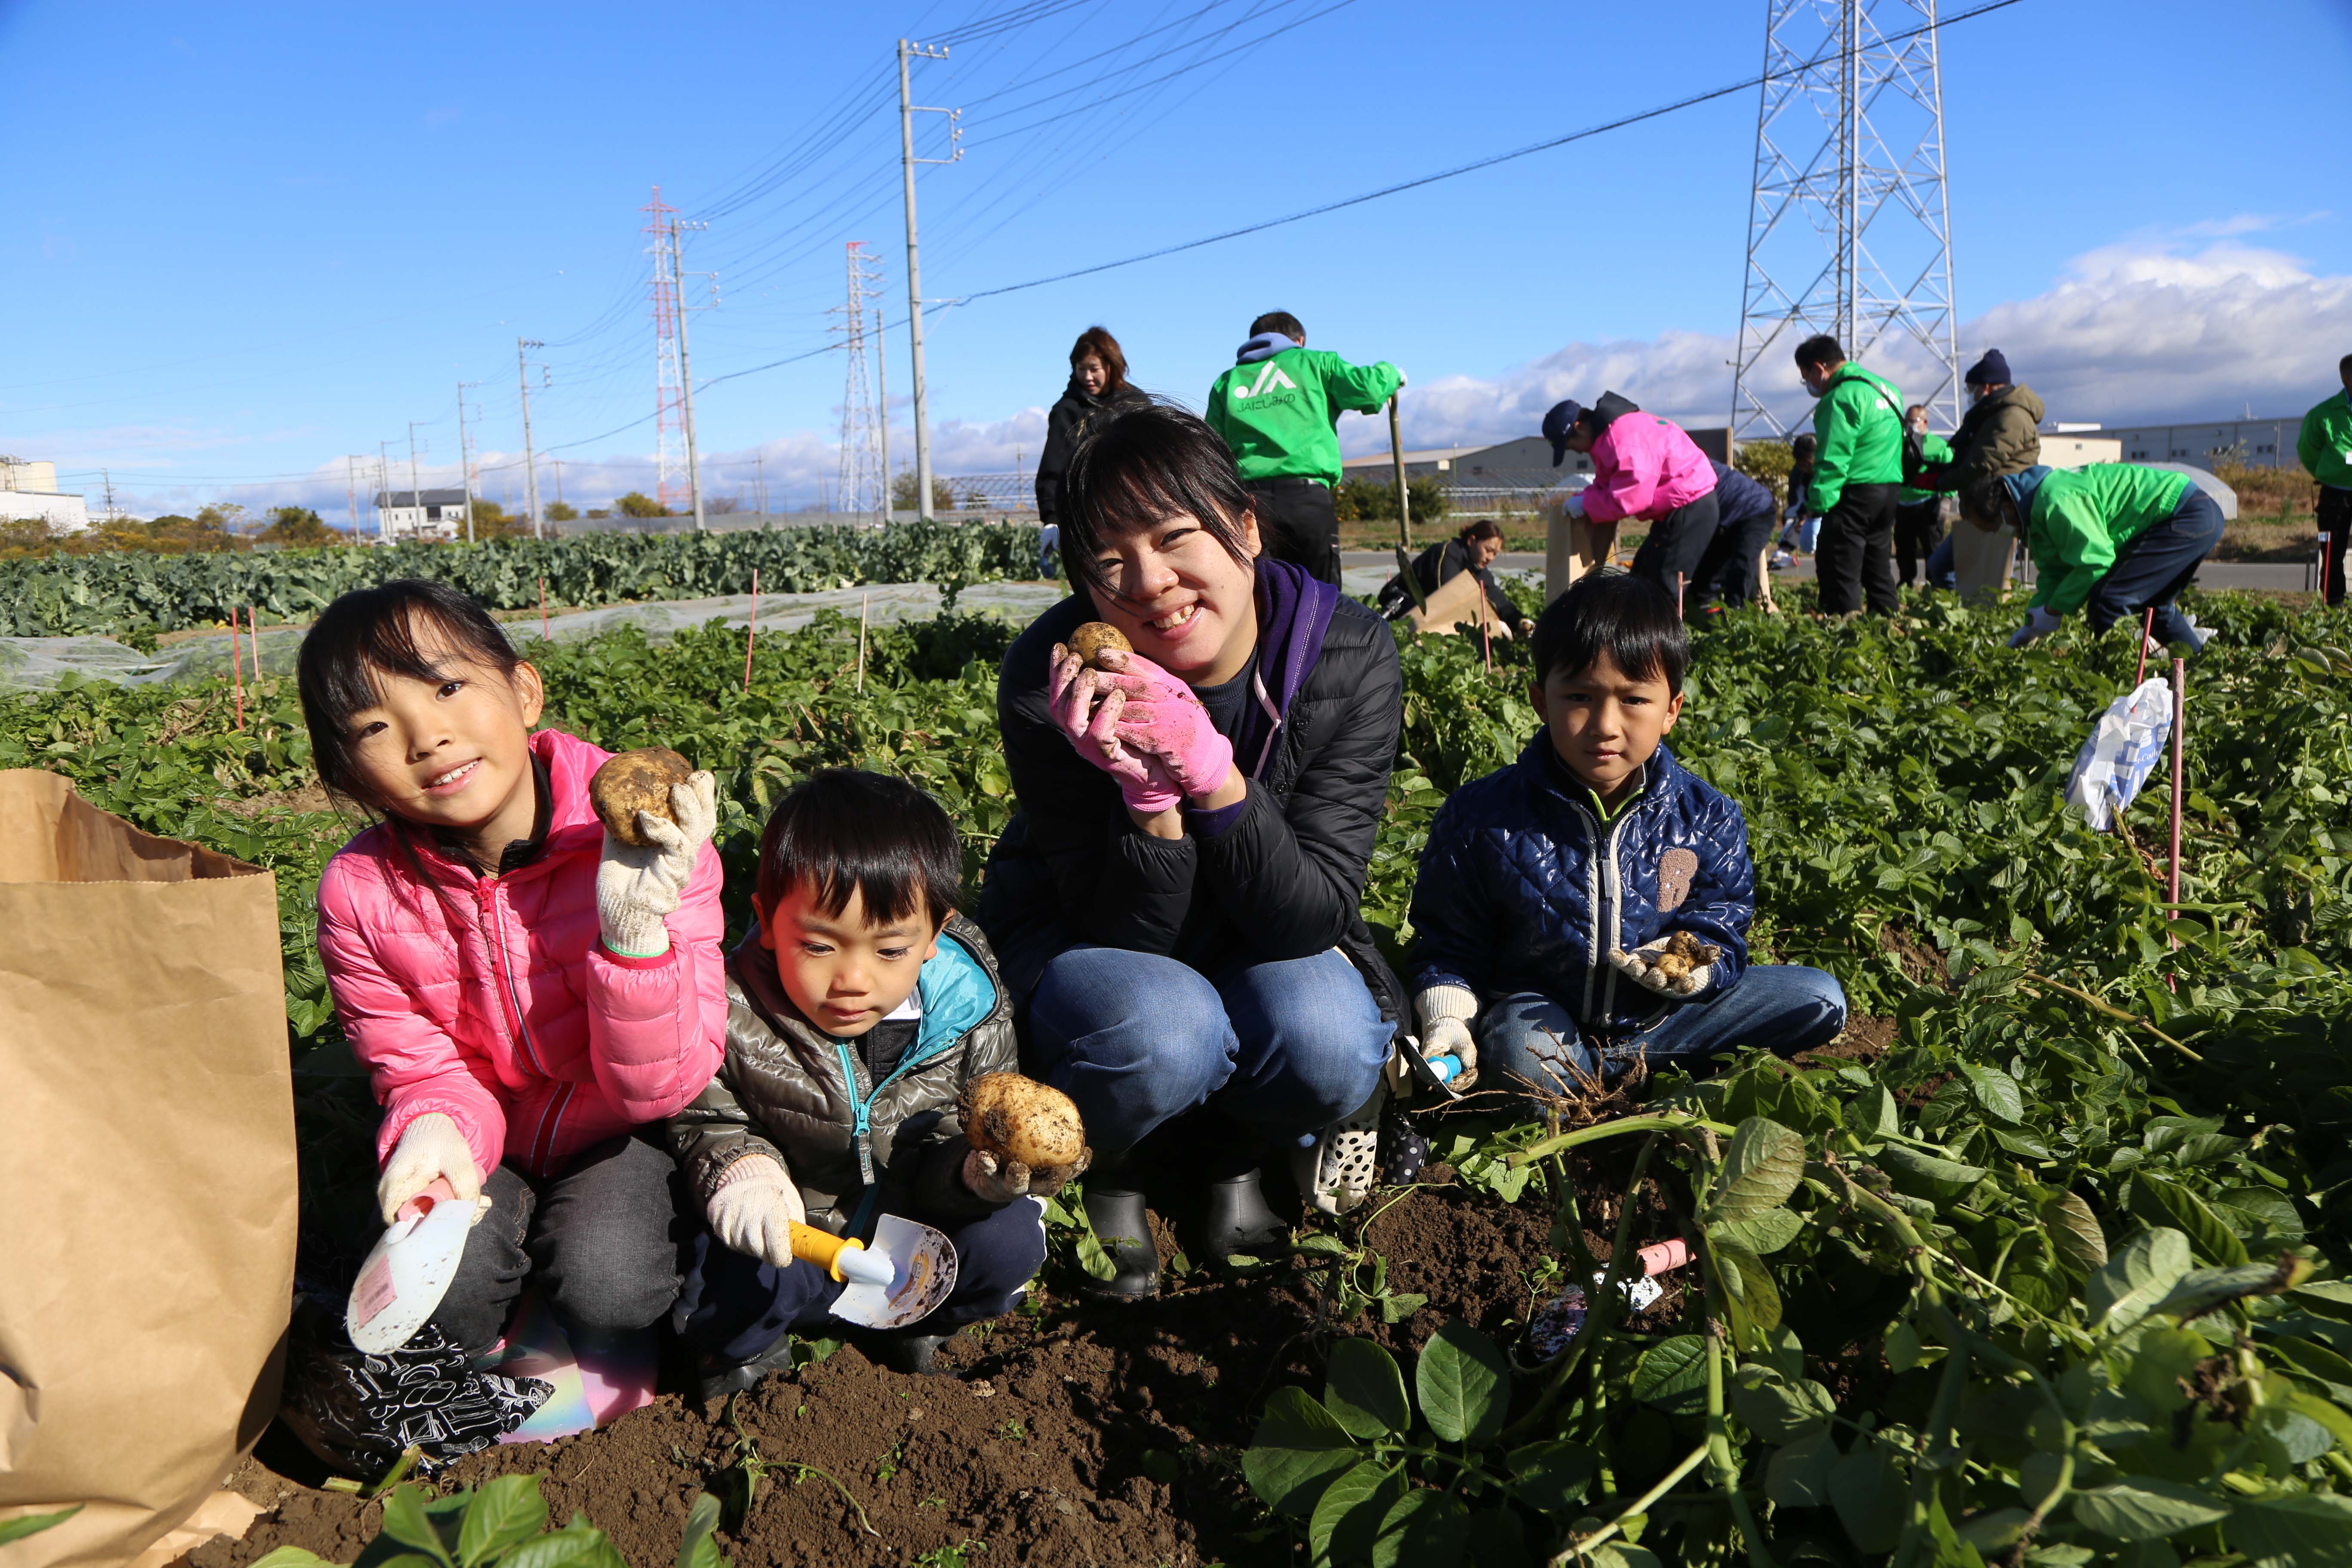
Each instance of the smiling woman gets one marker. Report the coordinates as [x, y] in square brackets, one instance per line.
[1177, 899]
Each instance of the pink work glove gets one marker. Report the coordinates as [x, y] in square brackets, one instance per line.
[1164, 720]
[1071, 689]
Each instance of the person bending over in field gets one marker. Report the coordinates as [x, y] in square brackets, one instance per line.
[1586, 907]
[1473, 549]
[1177, 899]
[530, 996]
[859, 1008]
[2111, 539]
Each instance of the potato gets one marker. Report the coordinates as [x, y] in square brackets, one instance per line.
[1017, 1118]
[635, 781]
[1089, 642]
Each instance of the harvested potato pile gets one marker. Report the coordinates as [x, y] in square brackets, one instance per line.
[635, 781]
[1017, 1118]
[1090, 641]
[1683, 953]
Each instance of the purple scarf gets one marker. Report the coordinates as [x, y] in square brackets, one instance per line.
[1294, 611]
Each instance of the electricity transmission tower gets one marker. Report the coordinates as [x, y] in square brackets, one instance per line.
[1848, 225]
[672, 488]
[862, 485]
[907, 109]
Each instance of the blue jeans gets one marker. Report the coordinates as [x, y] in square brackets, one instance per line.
[2155, 565]
[734, 1306]
[1784, 1007]
[1284, 1049]
[1941, 571]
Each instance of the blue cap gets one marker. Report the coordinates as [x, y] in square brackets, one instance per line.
[1556, 425]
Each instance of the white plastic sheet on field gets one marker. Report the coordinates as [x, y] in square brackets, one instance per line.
[42, 662]
[2122, 751]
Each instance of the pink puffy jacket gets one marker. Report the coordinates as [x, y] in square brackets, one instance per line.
[1644, 467]
[492, 999]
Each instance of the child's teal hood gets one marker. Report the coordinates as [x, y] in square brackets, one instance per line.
[957, 995]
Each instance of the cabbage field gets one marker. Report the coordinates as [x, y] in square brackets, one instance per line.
[2048, 1262]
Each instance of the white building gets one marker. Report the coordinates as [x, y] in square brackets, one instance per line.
[422, 514]
[29, 489]
[2258, 443]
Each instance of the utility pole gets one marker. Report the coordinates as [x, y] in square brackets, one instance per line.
[382, 490]
[686, 365]
[465, 463]
[415, 496]
[529, 464]
[558, 481]
[106, 478]
[906, 113]
[882, 394]
[351, 493]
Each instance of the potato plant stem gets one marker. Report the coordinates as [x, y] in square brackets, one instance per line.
[2112, 1012]
[1658, 1121]
[1578, 1547]
[1603, 1308]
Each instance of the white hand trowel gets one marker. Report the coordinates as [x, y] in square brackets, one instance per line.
[409, 1269]
[898, 1280]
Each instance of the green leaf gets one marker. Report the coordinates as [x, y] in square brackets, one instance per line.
[1762, 1233]
[1553, 1477]
[1364, 1390]
[1798, 1475]
[2295, 1530]
[505, 1513]
[2075, 1234]
[405, 1521]
[2136, 1278]
[1672, 1373]
[1775, 1409]
[2163, 1359]
[577, 1545]
[2200, 1292]
[1462, 1382]
[1762, 1166]
[1873, 1114]
[694, 1547]
[1926, 1175]
[1996, 1092]
[25, 1524]
[1094, 1258]
[2142, 1508]
[1867, 1490]
[1300, 1449]
[2169, 1203]
[1756, 1294]
[1348, 1516]
[284, 1557]
[1422, 1530]
[1322, 1244]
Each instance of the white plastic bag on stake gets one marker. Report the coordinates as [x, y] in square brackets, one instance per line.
[2122, 751]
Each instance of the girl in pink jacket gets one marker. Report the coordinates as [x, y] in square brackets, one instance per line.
[1647, 467]
[525, 991]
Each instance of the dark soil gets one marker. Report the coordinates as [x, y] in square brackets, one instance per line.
[1072, 1433]
[1864, 1039]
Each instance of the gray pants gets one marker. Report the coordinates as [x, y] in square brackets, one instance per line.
[600, 1237]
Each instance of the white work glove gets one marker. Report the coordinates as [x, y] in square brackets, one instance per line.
[1444, 1013]
[637, 888]
[430, 1148]
[1526, 627]
[2038, 625]
[1575, 507]
[995, 1180]
[754, 1209]
[1655, 965]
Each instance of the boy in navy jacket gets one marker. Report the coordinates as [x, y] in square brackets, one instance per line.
[1551, 891]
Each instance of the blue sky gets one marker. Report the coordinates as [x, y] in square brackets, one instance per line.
[251, 239]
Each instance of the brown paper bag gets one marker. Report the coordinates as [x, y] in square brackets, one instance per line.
[147, 1184]
[1460, 604]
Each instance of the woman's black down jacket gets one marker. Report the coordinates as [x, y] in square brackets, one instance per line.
[1065, 426]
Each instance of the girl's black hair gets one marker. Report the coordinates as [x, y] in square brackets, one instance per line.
[842, 831]
[1630, 618]
[1483, 528]
[1143, 466]
[369, 632]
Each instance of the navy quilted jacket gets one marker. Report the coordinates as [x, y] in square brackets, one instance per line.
[1522, 888]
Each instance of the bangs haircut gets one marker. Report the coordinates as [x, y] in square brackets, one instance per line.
[1630, 618]
[1098, 341]
[1144, 466]
[370, 634]
[843, 831]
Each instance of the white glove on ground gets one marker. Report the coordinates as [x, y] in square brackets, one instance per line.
[430, 1148]
[637, 888]
[1445, 1012]
[994, 1180]
[754, 1207]
[2039, 624]
[1678, 964]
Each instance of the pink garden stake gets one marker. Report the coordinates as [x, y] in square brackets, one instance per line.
[542, 606]
[2180, 741]
[2146, 633]
[752, 634]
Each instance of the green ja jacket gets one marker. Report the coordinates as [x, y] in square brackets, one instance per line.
[2082, 520]
[2326, 444]
[1859, 423]
[1277, 414]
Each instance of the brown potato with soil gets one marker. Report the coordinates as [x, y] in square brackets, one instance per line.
[1017, 1118]
[1683, 953]
[635, 781]
[1090, 641]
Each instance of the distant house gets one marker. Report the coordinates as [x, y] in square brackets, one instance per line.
[422, 514]
[29, 489]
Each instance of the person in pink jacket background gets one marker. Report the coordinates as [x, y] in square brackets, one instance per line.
[1643, 466]
[525, 991]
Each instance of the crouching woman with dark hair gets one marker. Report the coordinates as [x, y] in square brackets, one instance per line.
[1177, 898]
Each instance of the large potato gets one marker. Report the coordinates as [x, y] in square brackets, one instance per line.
[1017, 1118]
[1089, 641]
[635, 781]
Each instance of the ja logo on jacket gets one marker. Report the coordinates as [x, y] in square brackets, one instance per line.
[1269, 379]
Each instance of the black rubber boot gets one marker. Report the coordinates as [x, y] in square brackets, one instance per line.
[717, 1379]
[914, 1354]
[1116, 1215]
[1238, 1220]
